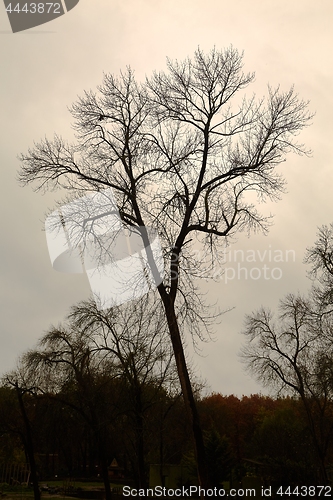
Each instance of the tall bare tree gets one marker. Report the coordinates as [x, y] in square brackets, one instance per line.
[181, 159]
[293, 353]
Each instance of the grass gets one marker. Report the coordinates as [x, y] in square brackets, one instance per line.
[19, 492]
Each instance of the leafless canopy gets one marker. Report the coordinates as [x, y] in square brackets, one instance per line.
[293, 351]
[181, 151]
[320, 256]
[126, 342]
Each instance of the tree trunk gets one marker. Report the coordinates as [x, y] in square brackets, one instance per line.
[105, 471]
[29, 445]
[140, 452]
[317, 441]
[187, 391]
[139, 429]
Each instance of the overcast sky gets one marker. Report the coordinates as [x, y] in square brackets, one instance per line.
[43, 70]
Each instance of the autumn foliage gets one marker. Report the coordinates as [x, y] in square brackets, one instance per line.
[253, 435]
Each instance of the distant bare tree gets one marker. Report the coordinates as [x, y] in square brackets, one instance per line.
[180, 159]
[293, 353]
[320, 256]
[96, 347]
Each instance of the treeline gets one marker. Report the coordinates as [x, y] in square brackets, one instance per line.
[78, 435]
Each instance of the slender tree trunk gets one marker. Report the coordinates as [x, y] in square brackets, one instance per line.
[162, 452]
[323, 478]
[29, 445]
[100, 438]
[140, 452]
[105, 471]
[182, 370]
[187, 391]
[139, 430]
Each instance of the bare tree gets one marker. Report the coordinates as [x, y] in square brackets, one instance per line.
[294, 353]
[320, 256]
[95, 348]
[133, 337]
[64, 369]
[18, 381]
[180, 159]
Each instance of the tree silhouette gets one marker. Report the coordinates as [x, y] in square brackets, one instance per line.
[294, 354]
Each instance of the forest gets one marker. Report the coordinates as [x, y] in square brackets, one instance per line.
[253, 436]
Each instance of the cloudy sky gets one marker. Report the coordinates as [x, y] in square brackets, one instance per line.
[43, 70]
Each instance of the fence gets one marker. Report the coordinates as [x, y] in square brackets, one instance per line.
[14, 473]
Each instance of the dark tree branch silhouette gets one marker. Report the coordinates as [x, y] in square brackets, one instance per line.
[95, 348]
[293, 353]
